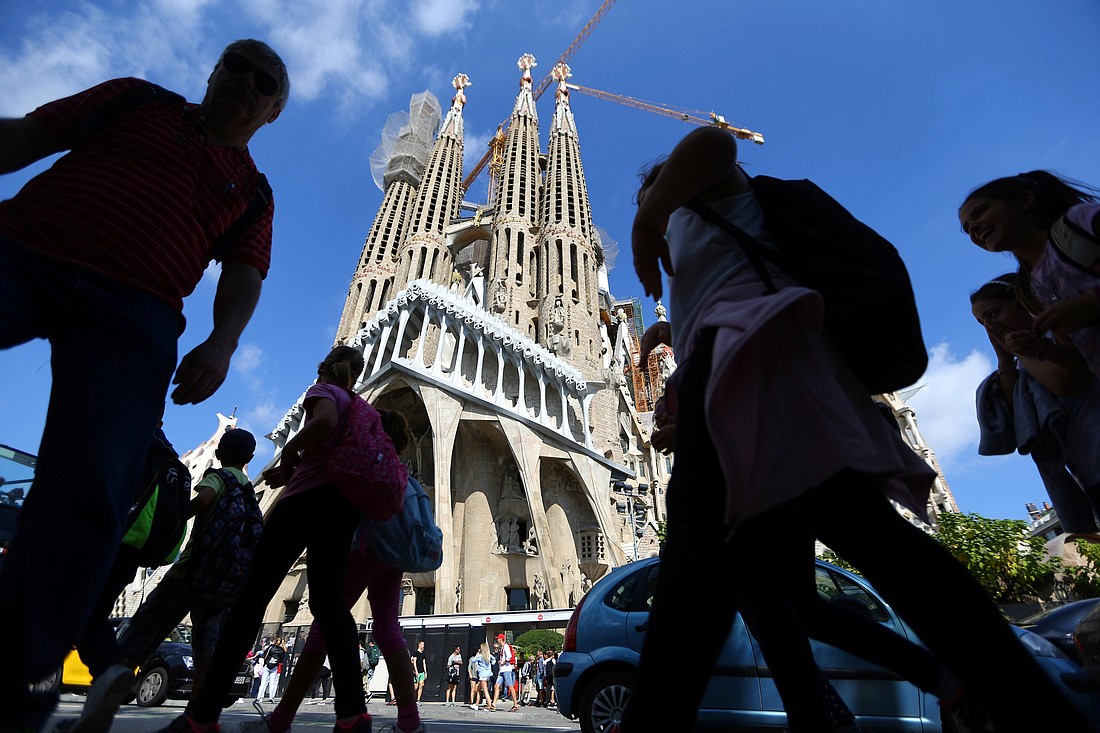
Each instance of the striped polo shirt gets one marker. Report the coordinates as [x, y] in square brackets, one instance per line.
[143, 200]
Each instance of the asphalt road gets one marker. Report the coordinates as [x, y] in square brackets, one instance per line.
[317, 718]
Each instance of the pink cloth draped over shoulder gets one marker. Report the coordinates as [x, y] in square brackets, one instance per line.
[784, 411]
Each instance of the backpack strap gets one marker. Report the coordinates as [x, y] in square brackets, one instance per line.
[755, 250]
[133, 97]
[1078, 245]
[261, 199]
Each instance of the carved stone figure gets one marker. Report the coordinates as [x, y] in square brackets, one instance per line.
[540, 592]
[661, 311]
[458, 596]
[500, 296]
[560, 345]
[510, 485]
[557, 315]
[531, 544]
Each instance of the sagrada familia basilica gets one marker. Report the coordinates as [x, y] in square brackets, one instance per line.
[493, 329]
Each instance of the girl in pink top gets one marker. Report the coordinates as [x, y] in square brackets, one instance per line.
[313, 516]
[1018, 214]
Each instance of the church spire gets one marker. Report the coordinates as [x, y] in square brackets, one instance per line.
[568, 289]
[514, 259]
[425, 254]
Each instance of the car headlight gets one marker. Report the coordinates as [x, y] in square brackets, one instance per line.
[188, 662]
[1039, 646]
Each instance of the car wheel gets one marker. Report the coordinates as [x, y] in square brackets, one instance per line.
[604, 701]
[152, 687]
[50, 684]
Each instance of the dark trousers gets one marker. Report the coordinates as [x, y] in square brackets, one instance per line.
[321, 522]
[943, 603]
[113, 349]
[98, 646]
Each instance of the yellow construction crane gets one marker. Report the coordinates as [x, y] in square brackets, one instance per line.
[695, 117]
[498, 139]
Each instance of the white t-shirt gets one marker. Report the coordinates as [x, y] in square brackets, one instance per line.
[704, 257]
[506, 657]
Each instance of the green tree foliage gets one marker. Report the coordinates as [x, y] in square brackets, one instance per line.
[532, 641]
[1012, 567]
[1083, 581]
[840, 562]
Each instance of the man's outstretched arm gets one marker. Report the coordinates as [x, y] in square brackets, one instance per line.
[203, 369]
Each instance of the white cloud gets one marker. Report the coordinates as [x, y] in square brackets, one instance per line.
[945, 403]
[248, 358]
[436, 17]
[343, 48]
[264, 415]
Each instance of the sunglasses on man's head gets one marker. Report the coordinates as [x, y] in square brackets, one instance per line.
[237, 64]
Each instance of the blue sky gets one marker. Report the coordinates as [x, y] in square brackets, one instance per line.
[896, 108]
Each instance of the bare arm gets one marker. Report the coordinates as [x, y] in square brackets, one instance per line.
[700, 165]
[203, 370]
[23, 141]
[324, 418]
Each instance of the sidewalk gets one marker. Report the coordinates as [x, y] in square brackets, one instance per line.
[429, 711]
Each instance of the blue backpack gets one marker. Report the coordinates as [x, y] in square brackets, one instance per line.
[410, 539]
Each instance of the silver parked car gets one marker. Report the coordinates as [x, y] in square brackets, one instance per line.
[604, 637]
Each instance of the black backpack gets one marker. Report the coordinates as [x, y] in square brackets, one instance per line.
[222, 553]
[157, 521]
[870, 309]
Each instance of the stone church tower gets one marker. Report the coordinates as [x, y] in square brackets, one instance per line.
[486, 327]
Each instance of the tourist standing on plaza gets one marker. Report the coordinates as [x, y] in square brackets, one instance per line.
[482, 660]
[454, 675]
[96, 255]
[1048, 408]
[1052, 228]
[311, 515]
[420, 668]
[471, 672]
[274, 655]
[506, 678]
[383, 586]
[757, 376]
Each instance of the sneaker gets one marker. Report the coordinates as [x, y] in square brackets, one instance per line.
[473, 706]
[186, 724]
[106, 695]
[361, 724]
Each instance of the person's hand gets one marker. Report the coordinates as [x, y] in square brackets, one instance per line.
[651, 253]
[1027, 344]
[1068, 315]
[279, 475]
[201, 372]
[657, 334]
[664, 439]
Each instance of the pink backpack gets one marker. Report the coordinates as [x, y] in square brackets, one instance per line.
[364, 465]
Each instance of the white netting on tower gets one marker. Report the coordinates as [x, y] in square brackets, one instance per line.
[406, 142]
[609, 247]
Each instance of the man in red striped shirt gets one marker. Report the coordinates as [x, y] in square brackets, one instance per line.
[96, 255]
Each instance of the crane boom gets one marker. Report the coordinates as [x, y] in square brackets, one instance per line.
[678, 114]
[543, 85]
